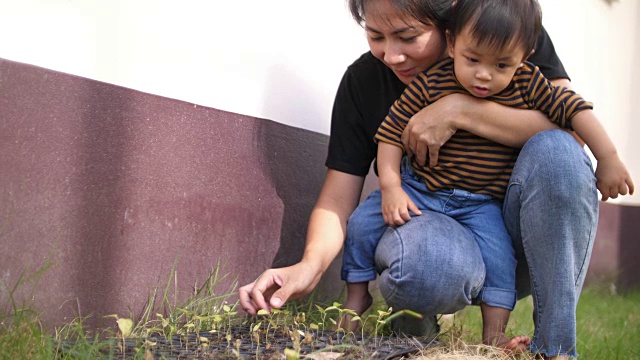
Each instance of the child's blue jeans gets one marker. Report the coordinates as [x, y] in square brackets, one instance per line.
[479, 214]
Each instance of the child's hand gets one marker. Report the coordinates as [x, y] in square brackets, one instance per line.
[396, 205]
[613, 178]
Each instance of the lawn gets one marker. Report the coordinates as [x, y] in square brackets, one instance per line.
[207, 327]
[608, 323]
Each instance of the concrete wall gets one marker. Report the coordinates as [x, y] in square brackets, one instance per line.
[112, 186]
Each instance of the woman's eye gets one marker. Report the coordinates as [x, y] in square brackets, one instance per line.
[408, 39]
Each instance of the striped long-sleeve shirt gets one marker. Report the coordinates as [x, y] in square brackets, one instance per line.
[467, 161]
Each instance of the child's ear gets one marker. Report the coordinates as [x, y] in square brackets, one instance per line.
[450, 43]
[527, 57]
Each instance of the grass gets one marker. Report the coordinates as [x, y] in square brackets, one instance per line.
[608, 325]
[22, 334]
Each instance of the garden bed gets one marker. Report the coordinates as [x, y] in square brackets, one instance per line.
[243, 342]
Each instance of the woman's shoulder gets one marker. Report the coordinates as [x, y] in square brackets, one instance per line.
[367, 65]
[366, 60]
[368, 74]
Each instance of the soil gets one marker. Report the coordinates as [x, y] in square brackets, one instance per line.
[244, 344]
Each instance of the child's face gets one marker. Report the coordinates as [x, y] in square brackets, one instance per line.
[481, 70]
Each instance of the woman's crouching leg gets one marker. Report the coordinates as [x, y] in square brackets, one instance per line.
[551, 212]
[431, 265]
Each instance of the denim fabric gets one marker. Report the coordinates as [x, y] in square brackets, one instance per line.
[433, 265]
[480, 215]
[551, 212]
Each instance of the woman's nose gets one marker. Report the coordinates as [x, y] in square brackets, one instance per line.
[393, 54]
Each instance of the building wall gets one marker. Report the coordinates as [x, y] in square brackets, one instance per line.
[113, 188]
[286, 57]
[139, 135]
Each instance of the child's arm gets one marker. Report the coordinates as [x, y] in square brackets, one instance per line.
[396, 204]
[566, 83]
[567, 109]
[611, 174]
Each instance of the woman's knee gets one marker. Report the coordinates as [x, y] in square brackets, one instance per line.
[431, 265]
[553, 163]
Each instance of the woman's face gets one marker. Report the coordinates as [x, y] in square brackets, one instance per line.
[404, 44]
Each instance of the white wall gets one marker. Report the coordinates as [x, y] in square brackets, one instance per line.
[280, 60]
[283, 59]
[599, 45]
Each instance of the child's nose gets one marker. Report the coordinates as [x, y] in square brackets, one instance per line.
[483, 75]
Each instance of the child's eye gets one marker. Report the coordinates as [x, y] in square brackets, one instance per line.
[502, 66]
[470, 59]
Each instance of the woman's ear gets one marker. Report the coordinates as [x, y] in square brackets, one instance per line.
[450, 43]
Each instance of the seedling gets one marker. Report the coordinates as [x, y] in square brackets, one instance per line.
[125, 326]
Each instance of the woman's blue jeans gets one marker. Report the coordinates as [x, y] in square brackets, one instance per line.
[433, 265]
[480, 215]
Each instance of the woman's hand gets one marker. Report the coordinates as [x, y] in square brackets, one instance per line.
[327, 225]
[432, 127]
[276, 286]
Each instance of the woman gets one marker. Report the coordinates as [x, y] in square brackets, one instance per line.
[432, 265]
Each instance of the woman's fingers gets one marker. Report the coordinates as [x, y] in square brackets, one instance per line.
[246, 301]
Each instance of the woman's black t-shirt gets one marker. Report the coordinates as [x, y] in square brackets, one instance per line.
[367, 90]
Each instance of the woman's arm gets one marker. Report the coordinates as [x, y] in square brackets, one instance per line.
[340, 195]
[430, 128]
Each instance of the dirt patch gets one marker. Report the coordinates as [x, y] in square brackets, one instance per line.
[242, 343]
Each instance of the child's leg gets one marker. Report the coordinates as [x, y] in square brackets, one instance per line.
[498, 295]
[364, 230]
[358, 300]
[358, 297]
[494, 323]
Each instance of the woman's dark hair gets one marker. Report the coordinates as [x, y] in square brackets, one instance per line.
[429, 12]
[498, 23]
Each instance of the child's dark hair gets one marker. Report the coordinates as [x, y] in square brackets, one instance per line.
[498, 23]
